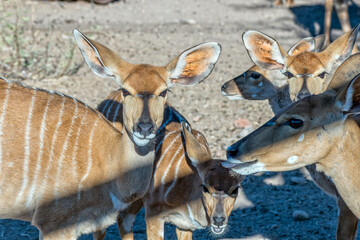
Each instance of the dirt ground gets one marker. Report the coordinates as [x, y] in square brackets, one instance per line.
[155, 32]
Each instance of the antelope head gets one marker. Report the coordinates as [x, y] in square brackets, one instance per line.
[219, 187]
[262, 84]
[144, 87]
[312, 130]
[307, 72]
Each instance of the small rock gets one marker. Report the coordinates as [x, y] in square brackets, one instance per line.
[297, 180]
[196, 118]
[188, 21]
[242, 123]
[300, 215]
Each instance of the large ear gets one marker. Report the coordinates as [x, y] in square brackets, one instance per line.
[319, 43]
[263, 50]
[101, 60]
[348, 98]
[339, 50]
[197, 152]
[345, 72]
[193, 65]
[304, 45]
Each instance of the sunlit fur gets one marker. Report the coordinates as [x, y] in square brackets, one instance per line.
[260, 84]
[308, 72]
[331, 140]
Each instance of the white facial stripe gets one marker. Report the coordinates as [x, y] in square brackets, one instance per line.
[292, 159]
[305, 75]
[301, 138]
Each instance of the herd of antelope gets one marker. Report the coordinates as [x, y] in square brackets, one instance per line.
[72, 170]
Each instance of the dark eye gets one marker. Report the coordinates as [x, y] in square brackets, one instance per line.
[163, 93]
[205, 189]
[295, 123]
[288, 74]
[235, 191]
[255, 75]
[322, 75]
[125, 92]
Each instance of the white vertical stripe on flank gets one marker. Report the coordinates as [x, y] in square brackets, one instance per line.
[26, 150]
[46, 173]
[175, 177]
[2, 117]
[89, 158]
[167, 149]
[62, 155]
[76, 146]
[40, 153]
[170, 164]
[163, 139]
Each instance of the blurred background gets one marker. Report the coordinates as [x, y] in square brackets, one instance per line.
[37, 48]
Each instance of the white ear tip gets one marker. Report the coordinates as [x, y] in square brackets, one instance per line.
[77, 34]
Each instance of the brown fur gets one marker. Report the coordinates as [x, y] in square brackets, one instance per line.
[260, 84]
[335, 139]
[303, 69]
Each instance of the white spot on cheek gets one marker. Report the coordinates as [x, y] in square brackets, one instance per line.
[301, 138]
[292, 159]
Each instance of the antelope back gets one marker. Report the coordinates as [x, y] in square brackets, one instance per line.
[144, 86]
[306, 72]
[49, 144]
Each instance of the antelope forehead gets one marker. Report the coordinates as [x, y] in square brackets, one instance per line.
[147, 80]
[305, 64]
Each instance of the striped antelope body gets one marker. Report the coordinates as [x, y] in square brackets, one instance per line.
[64, 166]
[262, 84]
[176, 194]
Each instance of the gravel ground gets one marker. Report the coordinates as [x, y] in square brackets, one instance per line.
[155, 32]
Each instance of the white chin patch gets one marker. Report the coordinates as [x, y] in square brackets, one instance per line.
[218, 230]
[140, 140]
[253, 168]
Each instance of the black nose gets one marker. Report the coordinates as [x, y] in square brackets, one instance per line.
[145, 129]
[302, 94]
[219, 221]
[231, 152]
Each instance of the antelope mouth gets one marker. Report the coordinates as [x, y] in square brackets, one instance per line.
[218, 229]
[142, 140]
[244, 168]
[234, 96]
